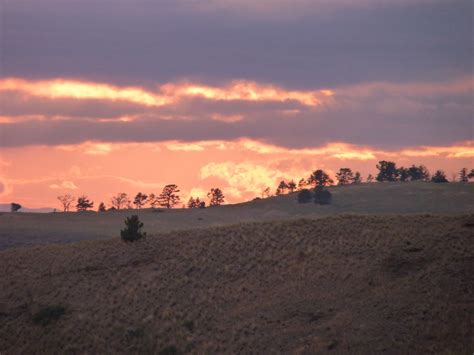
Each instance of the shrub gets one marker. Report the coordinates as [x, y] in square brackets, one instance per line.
[322, 196]
[48, 314]
[132, 231]
[304, 196]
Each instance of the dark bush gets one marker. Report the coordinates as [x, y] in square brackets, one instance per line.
[48, 314]
[305, 196]
[322, 196]
[132, 231]
[169, 350]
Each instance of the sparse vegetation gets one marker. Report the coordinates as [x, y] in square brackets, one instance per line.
[133, 229]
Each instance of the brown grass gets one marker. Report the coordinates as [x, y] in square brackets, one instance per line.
[345, 284]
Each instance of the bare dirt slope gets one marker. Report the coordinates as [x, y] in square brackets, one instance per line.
[344, 284]
[24, 229]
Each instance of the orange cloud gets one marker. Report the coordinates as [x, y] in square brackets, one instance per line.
[167, 93]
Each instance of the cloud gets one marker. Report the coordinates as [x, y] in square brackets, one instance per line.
[381, 114]
[65, 185]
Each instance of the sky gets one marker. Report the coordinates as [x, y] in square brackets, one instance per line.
[101, 97]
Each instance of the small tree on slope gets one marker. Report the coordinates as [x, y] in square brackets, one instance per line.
[132, 231]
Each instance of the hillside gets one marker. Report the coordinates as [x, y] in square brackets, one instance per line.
[342, 284]
[22, 229]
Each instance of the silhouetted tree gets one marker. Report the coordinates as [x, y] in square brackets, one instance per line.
[439, 176]
[153, 200]
[292, 186]
[463, 175]
[196, 203]
[344, 176]
[216, 197]
[370, 178]
[387, 171]
[102, 207]
[120, 200]
[305, 196]
[322, 196]
[302, 184]
[66, 201]
[282, 187]
[266, 192]
[202, 204]
[418, 173]
[471, 174]
[83, 204]
[403, 174]
[357, 178]
[169, 196]
[132, 231]
[319, 178]
[140, 200]
[14, 207]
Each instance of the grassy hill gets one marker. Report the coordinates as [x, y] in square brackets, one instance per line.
[340, 284]
[22, 229]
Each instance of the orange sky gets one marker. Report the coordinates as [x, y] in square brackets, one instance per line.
[34, 176]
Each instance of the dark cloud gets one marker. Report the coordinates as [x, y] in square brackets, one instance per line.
[389, 121]
[147, 41]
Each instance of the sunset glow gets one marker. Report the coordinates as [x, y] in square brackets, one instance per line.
[239, 95]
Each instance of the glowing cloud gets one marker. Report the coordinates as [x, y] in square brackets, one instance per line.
[66, 185]
[167, 94]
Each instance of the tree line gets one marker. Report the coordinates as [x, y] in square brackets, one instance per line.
[168, 198]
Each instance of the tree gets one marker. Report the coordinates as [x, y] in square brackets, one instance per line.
[282, 187]
[357, 178]
[83, 204]
[302, 184]
[66, 201]
[471, 174]
[322, 196]
[102, 207]
[344, 176]
[169, 196]
[292, 186]
[153, 200]
[403, 174]
[387, 171]
[304, 196]
[319, 178]
[370, 178]
[196, 203]
[120, 200]
[439, 177]
[14, 207]
[463, 175]
[418, 173]
[132, 231]
[140, 200]
[266, 192]
[216, 197]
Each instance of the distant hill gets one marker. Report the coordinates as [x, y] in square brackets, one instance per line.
[17, 229]
[5, 207]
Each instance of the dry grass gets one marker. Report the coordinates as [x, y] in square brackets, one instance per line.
[344, 284]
